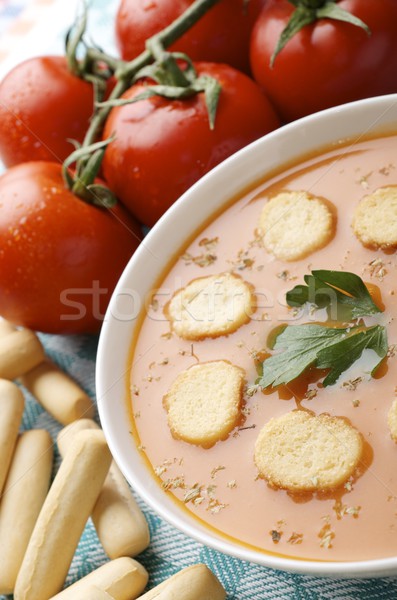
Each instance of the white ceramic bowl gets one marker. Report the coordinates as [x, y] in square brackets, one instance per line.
[213, 191]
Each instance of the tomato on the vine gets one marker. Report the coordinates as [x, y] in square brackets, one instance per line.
[42, 106]
[163, 146]
[222, 35]
[60, 257]
[328, 62]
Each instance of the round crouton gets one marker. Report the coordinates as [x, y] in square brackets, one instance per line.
[301, 453]
[294, 224]
[210, 306]
[392, 420]
[204, 402]
[375, 219]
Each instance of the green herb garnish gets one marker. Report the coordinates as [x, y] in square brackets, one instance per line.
[299, 347]
[308, 345]
[338, 288]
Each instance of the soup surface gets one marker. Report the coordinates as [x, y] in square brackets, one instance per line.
[220, 485]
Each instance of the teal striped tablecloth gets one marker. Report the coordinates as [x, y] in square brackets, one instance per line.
[169, 550]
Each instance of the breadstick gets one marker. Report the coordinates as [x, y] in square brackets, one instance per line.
[58, 393]
[20, 351]
[6, 328]
[94, 593]
[68, 434]
[122, 578]
[11, 409]
[25, 491]
[193, 583]
[62, 518]
[120, 524]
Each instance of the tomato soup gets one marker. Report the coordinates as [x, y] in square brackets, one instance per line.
[220, 485]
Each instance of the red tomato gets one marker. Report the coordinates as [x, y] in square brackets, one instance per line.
[163, 146]
[222, 35]
[42, 105]
[329, 62]
[60, 257]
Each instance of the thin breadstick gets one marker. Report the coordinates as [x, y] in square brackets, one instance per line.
[122, 578]
[94, 593]
[24, 493]
[68, 434]
[58, 393]
[120, 524]
[193, 583]
[62, 518]
[20, 351]
[11, 410]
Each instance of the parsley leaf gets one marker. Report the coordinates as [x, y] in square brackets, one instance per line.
[320, 346]
[334, 289]
[343, 354]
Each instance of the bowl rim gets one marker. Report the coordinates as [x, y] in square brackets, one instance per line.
[381, 567]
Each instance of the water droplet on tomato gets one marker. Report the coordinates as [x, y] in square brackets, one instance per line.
[149, 5]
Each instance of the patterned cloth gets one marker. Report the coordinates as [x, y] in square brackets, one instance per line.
[169, 550]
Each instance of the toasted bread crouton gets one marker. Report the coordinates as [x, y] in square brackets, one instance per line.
[392, 420]
[375, 219]
[210, 306]
[204, 402]
[294, 224]
[301, 453]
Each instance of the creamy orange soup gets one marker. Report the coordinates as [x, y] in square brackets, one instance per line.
[356, 522]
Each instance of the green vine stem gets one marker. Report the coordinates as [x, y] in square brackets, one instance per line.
[96, 55]
[82, 185]
[125, 71]
[82, 182]
[90, 66]
[73, 39]
[173, 83]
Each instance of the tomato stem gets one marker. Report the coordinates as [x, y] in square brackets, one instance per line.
[124, 73]
[89, 158]
[127, 70]
[310, 11]
[73, 39]
[95, 55]
[166, 66]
